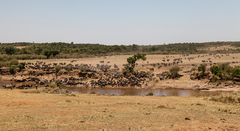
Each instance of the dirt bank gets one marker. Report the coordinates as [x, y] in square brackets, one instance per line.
[27, 111]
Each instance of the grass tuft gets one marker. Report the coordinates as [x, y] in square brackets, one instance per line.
[227, 98]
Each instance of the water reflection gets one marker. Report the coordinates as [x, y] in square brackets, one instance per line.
[144, 92]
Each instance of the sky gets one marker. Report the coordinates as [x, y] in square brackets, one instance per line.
[119, 21]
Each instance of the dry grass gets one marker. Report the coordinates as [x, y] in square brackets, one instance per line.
[122, 59]
[227, 98]
[27, 111]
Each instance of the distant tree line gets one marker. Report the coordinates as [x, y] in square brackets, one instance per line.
[23, 50]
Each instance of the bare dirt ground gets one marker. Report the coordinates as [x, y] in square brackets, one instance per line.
[28, 111]
[122, 59]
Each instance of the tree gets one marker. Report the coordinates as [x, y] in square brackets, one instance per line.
[10, 50]
[132, 62]
[49, 53]
[134, 47]
[54, 53]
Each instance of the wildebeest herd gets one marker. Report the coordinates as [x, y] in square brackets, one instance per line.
[40, 74]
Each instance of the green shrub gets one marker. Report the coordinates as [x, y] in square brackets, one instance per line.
[223, 71]
[12, 69]
[54, 53]
[49, 53]
[236, 72]
[21, 66]
[215, 70]
[226, 71]
[174, 72]
[10, 50]
[202, 71]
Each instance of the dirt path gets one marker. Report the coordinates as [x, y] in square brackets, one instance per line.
[27, 111]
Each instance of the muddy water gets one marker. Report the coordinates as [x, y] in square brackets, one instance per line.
[145, 92]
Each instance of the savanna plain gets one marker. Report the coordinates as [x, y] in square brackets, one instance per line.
[39, 89]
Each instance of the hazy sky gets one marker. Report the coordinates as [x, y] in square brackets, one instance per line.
[119, 21]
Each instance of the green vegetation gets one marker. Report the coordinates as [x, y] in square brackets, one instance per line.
[201, 72]
[217, 73]
[7, 61]
[21, 66]
[10, 50]
[13, 69]
[129, 68]
[236, 72]
[12, 64]
[222, 71]
[174, 72]
[70, 50]
[49, 53]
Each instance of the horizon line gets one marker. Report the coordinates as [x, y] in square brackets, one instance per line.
[33, 42]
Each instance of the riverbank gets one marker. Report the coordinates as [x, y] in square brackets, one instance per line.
[29, 111]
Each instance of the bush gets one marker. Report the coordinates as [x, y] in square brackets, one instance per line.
[54, 53]
[226, 71]
[49, 53]
[223, 71]
[174, 72]
[215, 70]
[12, 69]
[10, 50]
[202, 70]
[57, 70]
[21, 66]
[236, 72]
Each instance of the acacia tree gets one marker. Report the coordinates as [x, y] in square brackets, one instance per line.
[129, 68]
